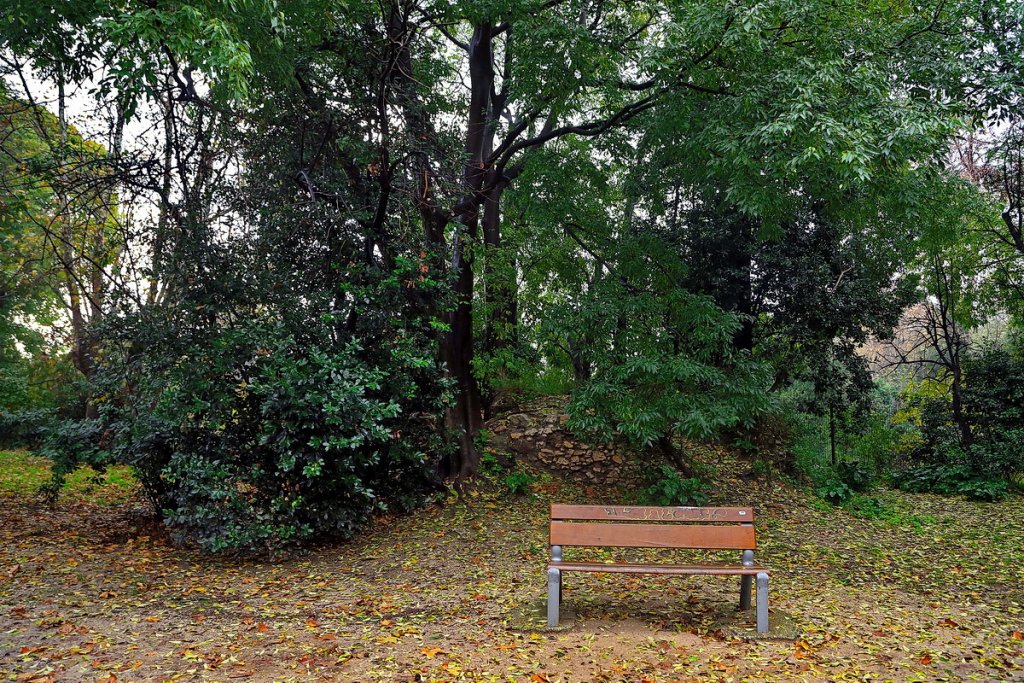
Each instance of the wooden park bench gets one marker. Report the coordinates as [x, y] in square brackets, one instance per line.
[657, 527]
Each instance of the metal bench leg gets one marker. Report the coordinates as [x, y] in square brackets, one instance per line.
[746, 584]
[554, 595]
[762, 602]
[746, 581]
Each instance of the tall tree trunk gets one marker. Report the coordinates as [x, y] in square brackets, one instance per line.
[951, 348]
[82, 347]
[466, 416]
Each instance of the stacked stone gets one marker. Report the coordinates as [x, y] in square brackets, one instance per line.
[535, 434]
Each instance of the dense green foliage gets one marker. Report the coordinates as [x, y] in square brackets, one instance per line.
[49, 228]
[662, 360]
[664, 486]
[253, 423]
[307, 247]
[940, 461]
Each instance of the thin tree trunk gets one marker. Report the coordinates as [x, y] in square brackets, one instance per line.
[163, 220]
[959, 417]
[674, 456]
[951, 348]
[501, 305]
[742, 264]
[81, 348]
[832, 433]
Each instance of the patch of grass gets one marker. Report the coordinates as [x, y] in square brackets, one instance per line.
[22, 473]
[868, 507]
[818, 504]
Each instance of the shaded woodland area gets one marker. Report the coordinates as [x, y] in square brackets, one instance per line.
[283, 260]
[310, 308]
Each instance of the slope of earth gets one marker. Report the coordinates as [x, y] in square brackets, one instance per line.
[929, 590]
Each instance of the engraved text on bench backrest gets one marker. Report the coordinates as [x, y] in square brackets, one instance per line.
[631, 527]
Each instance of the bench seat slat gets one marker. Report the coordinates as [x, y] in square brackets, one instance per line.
[737, 537]
[642, 513]
[686, 569]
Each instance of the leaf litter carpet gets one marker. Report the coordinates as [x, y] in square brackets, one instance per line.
[92, 591]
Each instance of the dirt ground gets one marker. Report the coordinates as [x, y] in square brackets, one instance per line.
[928, 590]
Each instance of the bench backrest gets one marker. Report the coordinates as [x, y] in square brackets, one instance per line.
[652, 527]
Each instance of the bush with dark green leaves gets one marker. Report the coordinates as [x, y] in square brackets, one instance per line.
[933, 478]
[664, 486]
[993, 405]
[988, 489]
[855, 475]
[306, 442]
[24, 428]
[950, 479]
[256, 420]
[834, 490]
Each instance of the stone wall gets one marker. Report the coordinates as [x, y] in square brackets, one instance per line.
[534, 433]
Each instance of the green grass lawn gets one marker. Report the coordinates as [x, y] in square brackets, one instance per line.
[22, 473]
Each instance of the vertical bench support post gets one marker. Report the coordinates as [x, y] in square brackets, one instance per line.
[762, 602]
[746, 581]
[554, 595]
[556, 556]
